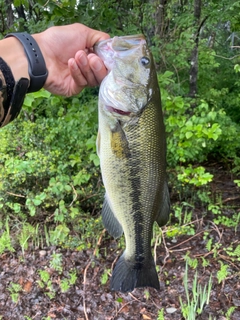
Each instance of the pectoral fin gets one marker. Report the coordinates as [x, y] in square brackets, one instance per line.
[119, 143]
[110, 221]
[164, 211]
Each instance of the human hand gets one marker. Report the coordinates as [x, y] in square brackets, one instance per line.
[71, 65]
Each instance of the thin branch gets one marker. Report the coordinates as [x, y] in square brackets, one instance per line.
[85, 274]
[75, 195]
[179, 244]
[15, 195]
[167, 251]
[222, 57]
[155, 247]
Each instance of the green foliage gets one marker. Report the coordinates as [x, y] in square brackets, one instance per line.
[223, 272]
[229, 312]
[48, 282]
[45, 282]
[196, 176]
[66, 283]
[27, 232]
[56, 261]
[5, 239]
[53, 163]
[193, 263]
[195, 129]
[14, 289]
[199, 298]
[160, 315]
[105, 276]
[183, 213]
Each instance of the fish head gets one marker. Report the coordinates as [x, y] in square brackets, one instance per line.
[126, 89]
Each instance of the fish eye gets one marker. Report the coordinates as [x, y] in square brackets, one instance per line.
[145, 61]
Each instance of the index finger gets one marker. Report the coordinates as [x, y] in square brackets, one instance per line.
[95, 36]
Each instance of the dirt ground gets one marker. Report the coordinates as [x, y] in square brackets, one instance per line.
[88, 298]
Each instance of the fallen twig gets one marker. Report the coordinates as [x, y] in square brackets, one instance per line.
[85, 273]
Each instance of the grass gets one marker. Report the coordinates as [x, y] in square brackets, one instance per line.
[196, 298]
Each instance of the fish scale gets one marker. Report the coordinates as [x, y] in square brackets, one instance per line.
[132, 150]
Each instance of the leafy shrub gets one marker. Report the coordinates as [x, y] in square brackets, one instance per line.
[196, 129]
[49, 170]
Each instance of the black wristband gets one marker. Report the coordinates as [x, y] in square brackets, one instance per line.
[36, 65]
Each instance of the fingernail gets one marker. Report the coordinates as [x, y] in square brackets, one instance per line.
[83, 60]
[74, 65]
[96, 65]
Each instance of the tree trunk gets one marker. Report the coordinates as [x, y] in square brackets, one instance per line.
[10, 17]
[159, 17]
[193, 73]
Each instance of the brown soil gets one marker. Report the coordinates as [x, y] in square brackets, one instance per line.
[89, 299]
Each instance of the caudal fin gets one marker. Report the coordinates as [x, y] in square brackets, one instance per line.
[128, 275]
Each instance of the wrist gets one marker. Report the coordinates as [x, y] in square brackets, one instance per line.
[39, 38]
[36, 63]
[19, 66]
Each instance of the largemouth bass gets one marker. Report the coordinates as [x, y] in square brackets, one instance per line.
[131, 146]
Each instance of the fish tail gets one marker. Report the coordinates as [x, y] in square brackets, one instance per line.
[128, 275]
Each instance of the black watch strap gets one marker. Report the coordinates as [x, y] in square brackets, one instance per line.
[36, 68]
[19, 92]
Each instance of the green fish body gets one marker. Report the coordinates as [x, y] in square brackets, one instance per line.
[131, 146]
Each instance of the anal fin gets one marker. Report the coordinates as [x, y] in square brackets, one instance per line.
[164, 211]
[110, 221]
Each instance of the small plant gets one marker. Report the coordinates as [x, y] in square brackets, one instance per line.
[146, 294]
[45, 279]
[205, 262]
[5, 239]
[237, 182]
[46, 283]
[73, 277]
[230, 312]
[56, 261]
[14, 290]
[160, 315]
[195, 176]
[105, 276]
[193, 263]
[223, 272]
[183, 213]
[233, 253]
[200, 297]
[66, 283]
[26, 233]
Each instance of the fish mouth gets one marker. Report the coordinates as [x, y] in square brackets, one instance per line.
[121, 43]
[111, 48]
[118, 111]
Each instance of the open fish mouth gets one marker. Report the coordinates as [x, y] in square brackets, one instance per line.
[118, 111]
[109, 49]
